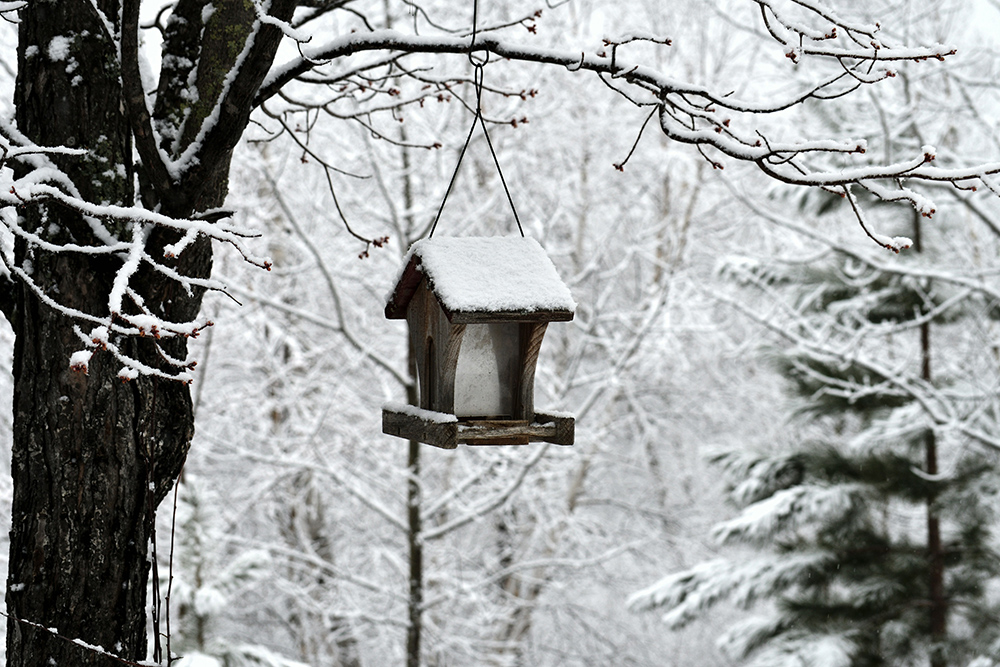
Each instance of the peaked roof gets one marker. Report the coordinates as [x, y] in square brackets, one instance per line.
[480, 279]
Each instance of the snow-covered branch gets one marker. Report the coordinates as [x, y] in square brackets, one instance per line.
[693, 113]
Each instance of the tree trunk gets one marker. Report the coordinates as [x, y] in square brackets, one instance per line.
[415, 600]
[92, 455]
[935, 550]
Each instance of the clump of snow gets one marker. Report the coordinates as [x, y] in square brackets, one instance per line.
[80, 361]
[893, 243]
[99, 336]
[425, 415]
[492, 274]
[58, 49]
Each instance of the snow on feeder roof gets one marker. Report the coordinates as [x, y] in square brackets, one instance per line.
[477, 279]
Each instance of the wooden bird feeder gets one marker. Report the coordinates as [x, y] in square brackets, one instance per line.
[477, 310]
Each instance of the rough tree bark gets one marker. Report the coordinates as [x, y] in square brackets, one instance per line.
[81, 454]
[93, 455]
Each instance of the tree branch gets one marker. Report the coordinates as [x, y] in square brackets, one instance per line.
[693, 114]
[155, 170]
[222, 129]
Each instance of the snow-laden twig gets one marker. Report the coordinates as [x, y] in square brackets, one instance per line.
[490, 503]
[331, 472]
[935, 403]
[45, 185]
[535, 564]
[972, 280]
[309, 316]
[86, 646]
[322, 565]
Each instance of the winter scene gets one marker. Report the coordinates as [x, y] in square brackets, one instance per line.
[468, 333]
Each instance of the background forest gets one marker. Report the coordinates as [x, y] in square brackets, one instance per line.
[773, 413]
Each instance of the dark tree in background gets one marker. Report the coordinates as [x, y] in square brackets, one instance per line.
[106, 279]
[874, 541]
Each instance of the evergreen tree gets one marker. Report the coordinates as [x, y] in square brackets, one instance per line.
[873, 528]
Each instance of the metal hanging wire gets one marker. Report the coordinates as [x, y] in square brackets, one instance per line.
[478, 63]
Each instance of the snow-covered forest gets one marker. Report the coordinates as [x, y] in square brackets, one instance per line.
[787, 441]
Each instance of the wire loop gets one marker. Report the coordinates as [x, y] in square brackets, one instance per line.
[479, 60]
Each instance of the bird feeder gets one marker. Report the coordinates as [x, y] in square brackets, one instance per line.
[477, 310]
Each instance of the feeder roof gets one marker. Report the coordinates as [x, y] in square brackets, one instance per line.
[477, 279]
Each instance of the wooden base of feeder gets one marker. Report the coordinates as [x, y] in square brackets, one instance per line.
[447, 431]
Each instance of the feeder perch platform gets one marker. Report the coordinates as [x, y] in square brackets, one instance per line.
[447, 431]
